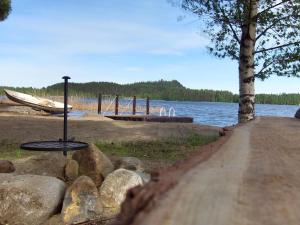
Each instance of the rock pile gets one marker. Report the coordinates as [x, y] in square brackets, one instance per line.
[114, 188]
[71, 170]
[81, 201]
[130, 163]
[6, 166]
[48, 189]
[47, 164]
[94, 164]
[29, 199]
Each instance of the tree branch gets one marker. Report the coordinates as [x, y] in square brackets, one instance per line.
[273, 24]
[269, 64]
[271, 7]
[273, 48]
[264, 67]
[231, 27]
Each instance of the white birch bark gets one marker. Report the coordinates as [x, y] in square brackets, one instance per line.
[246, 65]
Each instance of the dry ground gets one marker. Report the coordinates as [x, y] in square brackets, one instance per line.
[253, 179]
[17, 128]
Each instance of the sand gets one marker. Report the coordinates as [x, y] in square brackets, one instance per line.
[18, 128]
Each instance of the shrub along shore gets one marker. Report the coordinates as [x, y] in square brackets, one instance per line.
[159, 90]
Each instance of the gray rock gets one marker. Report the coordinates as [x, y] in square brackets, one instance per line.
[130, 163]
[114, 188]
[81, 201]
[46, 164]
[6, 166]
[29, 199]
[93, 163]
[297, 114]
[71, 170]
[146, 177]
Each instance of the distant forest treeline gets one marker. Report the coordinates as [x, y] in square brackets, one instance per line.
[163, 90]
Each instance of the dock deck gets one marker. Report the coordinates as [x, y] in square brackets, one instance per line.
[148, 118]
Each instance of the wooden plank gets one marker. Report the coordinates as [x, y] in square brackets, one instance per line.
[126, 118]
[174, 119]
[252, 179]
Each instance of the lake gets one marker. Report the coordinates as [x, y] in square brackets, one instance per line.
[222, 114]
[208, 113]
[214, 113]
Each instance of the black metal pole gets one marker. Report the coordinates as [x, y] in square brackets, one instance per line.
[66, 78]
[134, 105]
[148, 106]
[99, 103]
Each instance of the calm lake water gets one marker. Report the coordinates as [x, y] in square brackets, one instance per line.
[208, 113]
[222, 114]
[213, 113]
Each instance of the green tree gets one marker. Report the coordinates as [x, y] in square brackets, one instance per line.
[261, 35]
[5, 8]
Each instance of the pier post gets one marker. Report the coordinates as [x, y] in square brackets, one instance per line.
[148, 106]
[134, 105]
[99, 103]
[117, 105]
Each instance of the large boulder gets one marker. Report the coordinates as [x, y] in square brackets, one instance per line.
[81, 201]
[114, 188]
[47, 164]
[29, 199]
[93, 163]
[297, 114]
[6, 166]
[130, 163]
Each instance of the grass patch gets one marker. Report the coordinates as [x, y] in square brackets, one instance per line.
[10, 150]
[168, 150]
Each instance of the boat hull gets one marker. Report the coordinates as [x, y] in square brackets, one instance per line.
[36, 103]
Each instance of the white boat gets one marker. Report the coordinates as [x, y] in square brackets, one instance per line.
[36, 103]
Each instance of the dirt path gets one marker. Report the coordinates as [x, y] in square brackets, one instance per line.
[254, 179]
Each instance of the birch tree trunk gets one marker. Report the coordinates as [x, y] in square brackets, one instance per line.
[246, 64]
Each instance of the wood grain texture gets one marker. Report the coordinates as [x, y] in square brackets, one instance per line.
[254, 179]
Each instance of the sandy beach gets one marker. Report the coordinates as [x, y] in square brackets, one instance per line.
[18, 128]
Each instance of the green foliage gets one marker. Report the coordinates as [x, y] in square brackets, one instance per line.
[282, 99]
[5, 8]
[161, 90]
[164, 90]
[169, 150]
[277, 40]
[9, 149]
[18, 153]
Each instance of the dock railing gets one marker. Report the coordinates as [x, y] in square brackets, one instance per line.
[117, 105]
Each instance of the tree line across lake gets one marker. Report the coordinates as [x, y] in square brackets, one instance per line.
[160, 90]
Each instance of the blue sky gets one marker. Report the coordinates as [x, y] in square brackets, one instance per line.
[122, 41]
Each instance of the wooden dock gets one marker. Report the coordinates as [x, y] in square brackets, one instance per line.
[147, 118]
